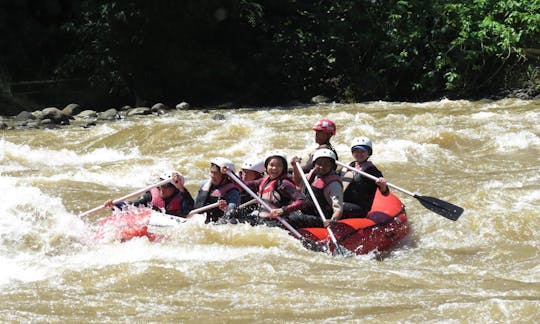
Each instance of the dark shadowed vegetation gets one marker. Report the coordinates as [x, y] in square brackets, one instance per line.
[265, 52]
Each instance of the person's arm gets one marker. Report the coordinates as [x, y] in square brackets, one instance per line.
[296, 197]
[187, 203]
[288, 192]
[297, 177]
[381, 181]
[144, 200]
[232, 198]
[334, 195]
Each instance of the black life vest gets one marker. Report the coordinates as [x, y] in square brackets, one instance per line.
[208, 195]
[358, 189]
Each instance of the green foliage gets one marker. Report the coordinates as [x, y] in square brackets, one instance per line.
[267, 51]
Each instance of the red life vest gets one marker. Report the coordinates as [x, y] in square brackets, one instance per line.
[174, 204]
[318, 186]
[269, 190]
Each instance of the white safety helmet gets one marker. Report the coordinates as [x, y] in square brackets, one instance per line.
[324, 153]
[223, 162]
[254, 164]
[169, 175]
[362, 143]
[278, 154]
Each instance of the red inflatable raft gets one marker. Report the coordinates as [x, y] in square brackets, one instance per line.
[125, 225]
[385, 224]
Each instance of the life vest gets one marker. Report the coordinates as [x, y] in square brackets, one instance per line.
[349, 176]
[358, 189]
[174, 204]
[318, 186]
[205, 197]
[270, 190]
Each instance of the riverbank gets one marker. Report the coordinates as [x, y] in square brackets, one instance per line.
[15, 116]
[75, 115]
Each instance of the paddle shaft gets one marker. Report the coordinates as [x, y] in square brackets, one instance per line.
[249, 203]
[367, 175]
[263, 203]
[436, 205]
[135, 193]
[202, 209]
[317, 205]
[216, 204]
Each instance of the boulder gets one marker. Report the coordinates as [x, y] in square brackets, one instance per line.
[87, 114]
[139, 111]
[159, 107]
[71, 110]
[109, 114]
[319, 99]
[25, 116]
[55, 115]
[183, 106]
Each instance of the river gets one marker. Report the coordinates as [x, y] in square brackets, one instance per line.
[484, 268]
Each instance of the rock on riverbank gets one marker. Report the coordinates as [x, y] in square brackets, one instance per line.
[74, 115]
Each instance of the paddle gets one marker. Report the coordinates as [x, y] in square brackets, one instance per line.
[307, 243]
[248, 203]
[339, 249]
[436, 205]
[135, 193]
[202, 209]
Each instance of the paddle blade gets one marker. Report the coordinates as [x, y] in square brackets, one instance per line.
[440, 207]
[341, 251]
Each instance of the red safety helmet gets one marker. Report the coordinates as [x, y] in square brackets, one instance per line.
[325, 125]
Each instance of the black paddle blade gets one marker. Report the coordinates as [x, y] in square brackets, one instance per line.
[440, 207]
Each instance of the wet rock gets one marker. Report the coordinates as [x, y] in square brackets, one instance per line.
[89, 124]
[71, 110]
[32, 125]
[159, 107]
[183, 106]
[38, 114]
[109, 114]
[25, 116]
[85, 114]
[218, 116]
[139, 111]
[50, 126]
[55, 115]
[319, 99]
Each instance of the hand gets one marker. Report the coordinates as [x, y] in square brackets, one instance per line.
[329, 222]
[381, 182]
[109, 204]
[222, 204]
[296, 159]
[178, 180]
[275, 213]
